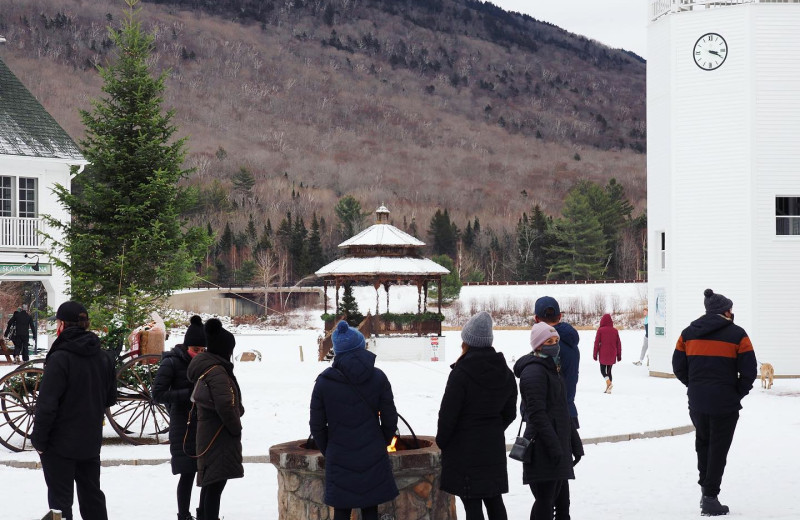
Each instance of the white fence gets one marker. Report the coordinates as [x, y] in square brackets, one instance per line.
[18, 232]
[659, 8]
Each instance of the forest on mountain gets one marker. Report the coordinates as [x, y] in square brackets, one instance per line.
[510, 145]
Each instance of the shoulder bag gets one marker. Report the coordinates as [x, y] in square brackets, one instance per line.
[522, 449]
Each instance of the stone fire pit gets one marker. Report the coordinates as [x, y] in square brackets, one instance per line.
[301, 483]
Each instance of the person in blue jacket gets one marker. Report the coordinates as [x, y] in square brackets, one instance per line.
[353, 419]
[548, 311]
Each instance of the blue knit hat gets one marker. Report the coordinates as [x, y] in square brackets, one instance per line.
[346, 338]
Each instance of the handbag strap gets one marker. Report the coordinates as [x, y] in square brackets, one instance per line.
[521, 422]
[189, 422]
[357, 391]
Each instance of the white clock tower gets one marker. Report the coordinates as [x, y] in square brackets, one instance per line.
[723, 171]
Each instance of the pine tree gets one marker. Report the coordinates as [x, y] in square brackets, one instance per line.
[348, 307]
[351, 218]
[316, 257]
[580, 250]
[127, 246]
[533, 240]
[444, 234]
[252, 234]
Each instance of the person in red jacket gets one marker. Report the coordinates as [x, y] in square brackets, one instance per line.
[607, 348]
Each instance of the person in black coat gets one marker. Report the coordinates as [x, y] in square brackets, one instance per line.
[556, 444]
[78, 384]
[21, 322]
[478, 404]
[172, 388]
[218, 401]
[353, 419]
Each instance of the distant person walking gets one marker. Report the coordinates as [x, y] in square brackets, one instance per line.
[715, 360]
[547, 310]
[17, 331]
[78, 384]
[479, 402]
[644, 342]
[607, 349]
[353, 419]
[557, 446]
[218, 400]
[172, 388]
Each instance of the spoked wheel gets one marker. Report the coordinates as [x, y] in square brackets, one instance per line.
[33, 363]
[137, 417]
[18, 392]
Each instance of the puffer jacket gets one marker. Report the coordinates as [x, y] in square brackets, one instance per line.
[570, 357]
[544, 408]
[220, 458]
[479, 402]
[349, 434]
[607, 346]
[172, 388]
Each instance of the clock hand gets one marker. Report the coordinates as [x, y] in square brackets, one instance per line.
[715, 53]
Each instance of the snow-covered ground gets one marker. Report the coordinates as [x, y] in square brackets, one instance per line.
[640, 479]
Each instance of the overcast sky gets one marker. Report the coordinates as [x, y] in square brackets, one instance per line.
[616, 23]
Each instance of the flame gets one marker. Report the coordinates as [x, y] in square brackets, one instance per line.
[391, 448]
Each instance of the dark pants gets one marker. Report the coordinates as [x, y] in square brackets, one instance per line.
[62, 475]
[562, 502]
[367, 513]
[210, 497]
[605, 370]
[713, 437]
[544, 498]
[495, 509]
[21, 346]
[185, 485]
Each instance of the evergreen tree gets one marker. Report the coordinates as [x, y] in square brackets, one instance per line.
[351, 218]
[252, 234]
[264, 242]
[533, 241]
[297, 249]
[451, 283]
[468, 238]
[348, 307]
[316, 257]
[243, 181]
[580, 250]
[444, 234]
[127, 246]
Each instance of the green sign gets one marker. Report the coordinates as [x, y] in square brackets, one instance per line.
[25, 270]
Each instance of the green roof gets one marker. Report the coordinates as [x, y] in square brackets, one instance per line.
[26, 128]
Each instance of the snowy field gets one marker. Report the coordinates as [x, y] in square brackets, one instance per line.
[641, 479]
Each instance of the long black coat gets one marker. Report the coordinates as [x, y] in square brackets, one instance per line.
[22, 322]
[223, 459]
[78, 384]
[172, 388]
[478, 404]
[544, 407]
[349, 434]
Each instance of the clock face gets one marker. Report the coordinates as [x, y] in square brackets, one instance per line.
[710, 51]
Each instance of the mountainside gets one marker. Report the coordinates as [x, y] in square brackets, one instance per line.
[419, 104]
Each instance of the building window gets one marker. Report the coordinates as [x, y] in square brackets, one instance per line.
[787, 215]
[27, 197]
[6, 196]
[662, 252]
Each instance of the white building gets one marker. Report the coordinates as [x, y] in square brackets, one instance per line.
[35, 154]
[723, 170]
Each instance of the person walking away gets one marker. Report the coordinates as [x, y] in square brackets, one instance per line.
[547, 310]
[557, 446]
[352, 419]
[172, 388]
[478, 404]
[20, 323]
[78, 384]
[607, 349]
[715, 359]
[218, 401]
[644, 342]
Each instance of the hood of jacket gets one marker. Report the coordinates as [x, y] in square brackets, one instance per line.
[77, 341]
[356, 365]
[530, 359]
[485, 366]
[567, 335]
[708, 323]
[178, 351]
[205, 360]
[606, 321]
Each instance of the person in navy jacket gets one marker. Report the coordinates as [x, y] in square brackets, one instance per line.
[714, 358]
[353, 420]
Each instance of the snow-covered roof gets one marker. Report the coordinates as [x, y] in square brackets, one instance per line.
[382, 235]
[26, 128]
[383, 265]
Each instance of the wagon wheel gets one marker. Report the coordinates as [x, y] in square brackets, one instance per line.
[137, 417]
[18, 392]
[33, 363]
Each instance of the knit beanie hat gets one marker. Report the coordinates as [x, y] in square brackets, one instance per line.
[541, 332]
[716, 303]
[195, 335]
[218, 340]
[345, 338]
[478, 331]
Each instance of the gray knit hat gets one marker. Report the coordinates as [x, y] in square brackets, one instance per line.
[716, 303]
[478, 331]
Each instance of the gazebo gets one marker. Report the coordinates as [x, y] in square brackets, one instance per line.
[383, 255]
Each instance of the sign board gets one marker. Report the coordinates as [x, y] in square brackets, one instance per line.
[25, 270]
[434, 347]
[660, 314]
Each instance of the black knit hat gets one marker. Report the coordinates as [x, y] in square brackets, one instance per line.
[195, 335]
[716, 303]
[218, 340]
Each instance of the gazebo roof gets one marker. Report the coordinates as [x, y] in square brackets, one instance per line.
[381, 266]
[382, 235]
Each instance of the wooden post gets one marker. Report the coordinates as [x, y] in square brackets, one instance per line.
[325, 294]
[301, 352]
[440, 295]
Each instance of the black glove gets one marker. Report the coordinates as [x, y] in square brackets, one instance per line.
[576, 460]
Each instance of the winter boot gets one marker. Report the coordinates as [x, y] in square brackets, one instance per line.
[637, 363]
[608, 386]
[710, 506]
[200, 514]
[185, 516]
